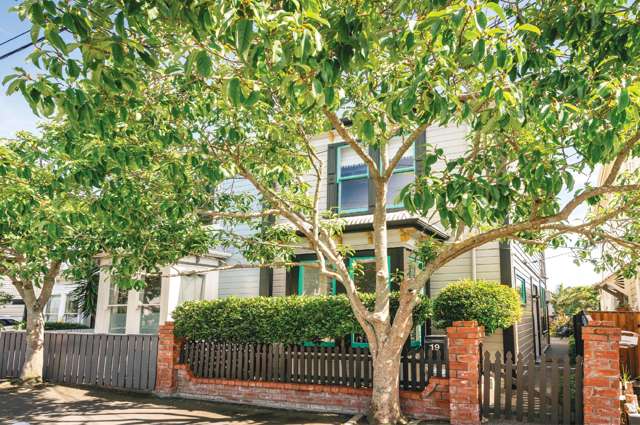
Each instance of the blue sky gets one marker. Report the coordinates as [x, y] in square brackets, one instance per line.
[15, 115]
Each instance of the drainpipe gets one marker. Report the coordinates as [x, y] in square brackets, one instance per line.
[474, 269]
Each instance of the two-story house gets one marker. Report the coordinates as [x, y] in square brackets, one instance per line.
[346, 188]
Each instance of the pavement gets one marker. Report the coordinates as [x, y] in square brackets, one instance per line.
[57, 404]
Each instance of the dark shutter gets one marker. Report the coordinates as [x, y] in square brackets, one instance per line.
[266, 282]
[421, 150]
[396, 265]
[332, 174]
[292, 281]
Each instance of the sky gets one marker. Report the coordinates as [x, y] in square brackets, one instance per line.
[16, 115]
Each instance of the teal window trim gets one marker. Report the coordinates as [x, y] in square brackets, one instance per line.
[340, 179]
[320, 344]
[523, 288]
[301, 278]
[411, 169]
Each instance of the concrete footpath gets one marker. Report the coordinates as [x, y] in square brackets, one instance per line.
[56, 404]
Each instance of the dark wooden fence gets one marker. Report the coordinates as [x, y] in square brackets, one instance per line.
[337, 365]
[547, 392]
[114, 361]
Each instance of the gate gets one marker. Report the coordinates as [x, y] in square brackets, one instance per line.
[115, 361]
[545, 392]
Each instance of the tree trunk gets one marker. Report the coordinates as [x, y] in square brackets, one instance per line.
[34, 357]
[385, 399]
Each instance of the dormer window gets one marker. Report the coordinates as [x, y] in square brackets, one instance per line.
[404, 173]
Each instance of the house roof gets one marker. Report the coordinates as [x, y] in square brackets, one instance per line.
[395, 220]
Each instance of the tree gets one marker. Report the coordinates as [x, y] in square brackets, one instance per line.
[546, 89]
[571, 300]
[85, 295]
[55, 215]
[5, 297]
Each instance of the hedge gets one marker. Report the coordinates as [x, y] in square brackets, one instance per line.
[491, 304]
[55, 326]
[291, 319]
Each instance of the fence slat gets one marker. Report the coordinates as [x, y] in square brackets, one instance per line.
[486, 391]
[508, 385]
[519, 387]
[555, 383]
[497, 400]
[579, 406]
[566, 398]
[544, 405]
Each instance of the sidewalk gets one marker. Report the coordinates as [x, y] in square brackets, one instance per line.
[56, 404]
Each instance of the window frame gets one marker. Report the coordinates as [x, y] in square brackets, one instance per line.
[403, 170]
[340, 179]
[142, 306]
[203, 287]
[301, 278]
[523, 288]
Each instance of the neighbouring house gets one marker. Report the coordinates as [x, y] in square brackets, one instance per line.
[346, 188]
[616, 292]
[140, 312]
[58, 309]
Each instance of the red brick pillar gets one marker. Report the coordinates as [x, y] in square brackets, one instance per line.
[601, 386]
[168, 354]
[464, 372]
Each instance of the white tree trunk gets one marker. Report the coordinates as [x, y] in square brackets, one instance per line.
[34, 357]
[385, 399]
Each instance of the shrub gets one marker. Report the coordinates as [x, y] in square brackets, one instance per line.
[55, 326]
[491, 304]
[561, 326]
[292, 319]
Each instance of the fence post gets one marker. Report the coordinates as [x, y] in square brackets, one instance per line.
[168, 354]
[601, 382]
[464, 372]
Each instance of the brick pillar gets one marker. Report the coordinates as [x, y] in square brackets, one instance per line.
[601, 386]
[464, 372]
[168, 354]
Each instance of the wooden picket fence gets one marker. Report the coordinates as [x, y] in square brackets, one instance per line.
[545, 392]
[114, 361]
[333, 365]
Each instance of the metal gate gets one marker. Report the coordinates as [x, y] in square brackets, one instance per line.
[545, 392]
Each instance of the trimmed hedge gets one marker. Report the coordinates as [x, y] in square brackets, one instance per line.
[491, 304]
[55, 326]
[290, 320]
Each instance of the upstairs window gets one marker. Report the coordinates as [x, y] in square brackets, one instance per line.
[150, 300]
[191, 288]
[353, 181]
[523, 289]
[403, 174]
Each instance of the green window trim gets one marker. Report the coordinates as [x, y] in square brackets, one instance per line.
[301, 278]
[523, 289]
[400, 170]
[340, 179]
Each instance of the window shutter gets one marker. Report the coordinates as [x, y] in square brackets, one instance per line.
[292, 281]
[332, 172]
[421, 150]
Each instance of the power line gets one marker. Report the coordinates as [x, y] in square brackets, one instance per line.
[19, 49]
[14, 37]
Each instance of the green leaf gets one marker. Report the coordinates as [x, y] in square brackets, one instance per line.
[203, 63]
[53, 36]
[118, 52]
[623, 99]
[234, 91]
[497, 9]
[119, 24]
[529, 28]
[244, 35]
[367, 130]
[478, 51]
[481, 20]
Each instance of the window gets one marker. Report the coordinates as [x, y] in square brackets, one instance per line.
[70, 311]
[311, 282]
[191, 288]
[353, 181]
[118, 298]
[543, 301]
[52, 308]
[150, 299]
[523, 289]
[404, 173]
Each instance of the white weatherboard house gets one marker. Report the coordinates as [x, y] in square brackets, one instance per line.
[346, 187]
[58, 309]
[128, 311]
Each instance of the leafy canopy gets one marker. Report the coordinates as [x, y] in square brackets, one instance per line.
[571, 300]
[547, 90]
[54, 209]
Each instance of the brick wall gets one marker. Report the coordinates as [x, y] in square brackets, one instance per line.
[601, 385]
[464, 372]
[168, 354]
[431, 403]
